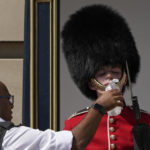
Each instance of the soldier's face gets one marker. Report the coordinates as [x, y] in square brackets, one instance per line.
[108, 73]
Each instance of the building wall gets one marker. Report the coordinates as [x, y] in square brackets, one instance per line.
[12, 20]
[11, 50]
[11, 75]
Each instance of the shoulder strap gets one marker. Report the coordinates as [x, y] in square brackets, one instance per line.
[4, 126]
[85, 110]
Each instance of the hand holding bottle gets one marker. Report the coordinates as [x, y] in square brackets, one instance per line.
[112, 85]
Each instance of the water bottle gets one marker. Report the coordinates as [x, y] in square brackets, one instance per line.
[112, 85]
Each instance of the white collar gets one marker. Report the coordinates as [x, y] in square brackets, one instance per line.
[2, 120]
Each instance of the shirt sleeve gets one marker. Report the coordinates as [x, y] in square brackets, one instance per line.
[64, 140]
[24, 138]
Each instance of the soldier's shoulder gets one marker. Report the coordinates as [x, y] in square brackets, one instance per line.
[145, 112]
[80, 112]
[141, 110]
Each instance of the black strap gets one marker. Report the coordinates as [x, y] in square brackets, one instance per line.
[136, 109]
[4, 126]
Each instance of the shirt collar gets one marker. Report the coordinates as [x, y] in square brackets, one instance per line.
[2, 120]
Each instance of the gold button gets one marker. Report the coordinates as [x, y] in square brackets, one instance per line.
[112, 129]
[113, 137]
[113, 146]
[111, 120]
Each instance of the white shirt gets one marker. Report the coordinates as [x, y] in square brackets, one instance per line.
[25, 138]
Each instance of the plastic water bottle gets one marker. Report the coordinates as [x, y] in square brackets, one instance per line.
[112, 85]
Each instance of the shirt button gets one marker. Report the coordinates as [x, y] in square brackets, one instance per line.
[113, 137]
[113, 146]
[111, 120]
[112, 129]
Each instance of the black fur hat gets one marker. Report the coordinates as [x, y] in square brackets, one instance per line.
[96, 36]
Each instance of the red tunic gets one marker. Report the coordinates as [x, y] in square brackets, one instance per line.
[113, 132]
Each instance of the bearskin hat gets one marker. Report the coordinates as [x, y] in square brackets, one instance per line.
[95, 36]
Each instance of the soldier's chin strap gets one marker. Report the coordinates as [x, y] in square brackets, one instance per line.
[141, 131]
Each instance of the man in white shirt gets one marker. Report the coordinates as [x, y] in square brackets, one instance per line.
[25, 138]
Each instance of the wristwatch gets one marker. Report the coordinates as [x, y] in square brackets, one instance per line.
[98, 107]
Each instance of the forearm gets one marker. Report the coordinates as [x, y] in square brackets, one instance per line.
[85, 130]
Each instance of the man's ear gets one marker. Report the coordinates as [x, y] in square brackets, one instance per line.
[91, 86]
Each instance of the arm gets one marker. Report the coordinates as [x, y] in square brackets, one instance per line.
[86, 129]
